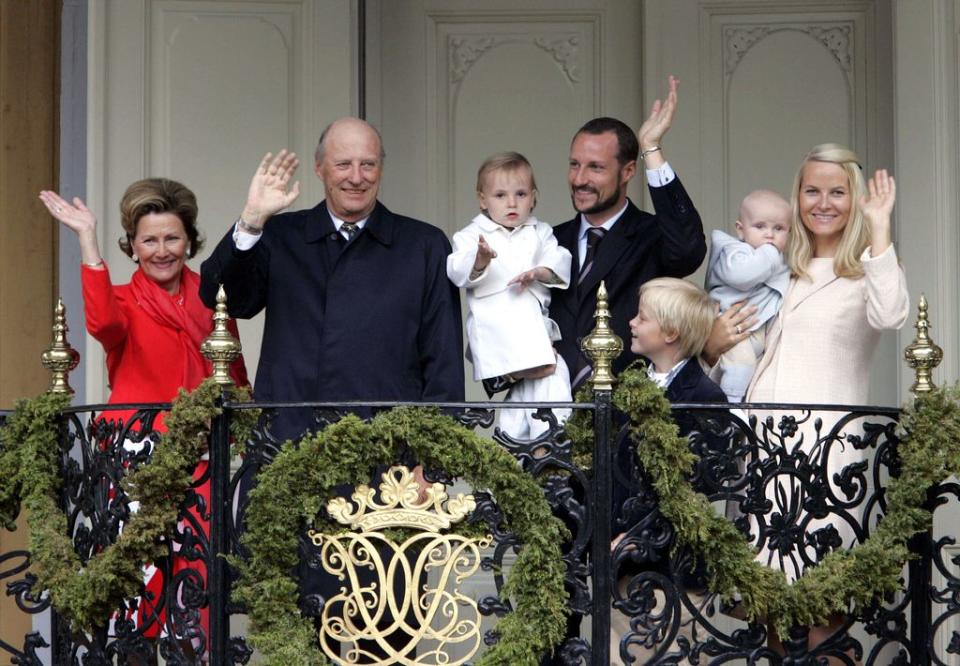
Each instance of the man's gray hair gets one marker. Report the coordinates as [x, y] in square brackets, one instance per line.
[321, 149]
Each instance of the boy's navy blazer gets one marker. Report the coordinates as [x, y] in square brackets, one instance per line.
[690, 385]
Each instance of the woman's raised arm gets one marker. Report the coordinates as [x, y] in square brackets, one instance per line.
[77, 217]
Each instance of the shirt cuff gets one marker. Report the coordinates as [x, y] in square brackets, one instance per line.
[242, 239]
[662, 175]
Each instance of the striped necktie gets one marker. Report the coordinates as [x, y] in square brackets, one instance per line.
[594, 236]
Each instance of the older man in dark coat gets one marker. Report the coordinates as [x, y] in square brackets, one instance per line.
[358, 305]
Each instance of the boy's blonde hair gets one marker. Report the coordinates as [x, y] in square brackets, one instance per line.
[856, 234]
[509, 162]
[682, 308]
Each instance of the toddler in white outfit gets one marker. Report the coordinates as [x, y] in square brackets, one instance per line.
[750, 268]
[507, 260]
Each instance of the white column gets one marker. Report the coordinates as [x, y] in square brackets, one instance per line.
[927, 169]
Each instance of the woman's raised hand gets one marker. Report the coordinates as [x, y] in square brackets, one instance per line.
[730, 328]
[877, 206]
[270, 190]
[80, 219]
[76, 216]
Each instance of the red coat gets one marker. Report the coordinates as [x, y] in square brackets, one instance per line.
[147, 361]
[152, 340]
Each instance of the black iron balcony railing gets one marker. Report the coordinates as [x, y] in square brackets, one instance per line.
[797, 480]
[794, 503]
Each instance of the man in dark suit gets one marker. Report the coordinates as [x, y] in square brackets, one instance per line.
[613, 240]
[358, 305]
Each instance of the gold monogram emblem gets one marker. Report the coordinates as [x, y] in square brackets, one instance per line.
[389, 603]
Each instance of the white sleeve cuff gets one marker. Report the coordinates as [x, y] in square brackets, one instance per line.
[242, 239]
[662, 175]
[867, 257]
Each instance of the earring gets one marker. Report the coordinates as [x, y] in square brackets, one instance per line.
[136, 259]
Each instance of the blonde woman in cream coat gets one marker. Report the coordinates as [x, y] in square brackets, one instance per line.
[847, 287]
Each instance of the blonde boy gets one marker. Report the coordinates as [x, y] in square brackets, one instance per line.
[673, 322]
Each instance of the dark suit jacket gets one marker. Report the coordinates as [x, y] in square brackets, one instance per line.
[639, 247]
[377, 320]
[690, 385]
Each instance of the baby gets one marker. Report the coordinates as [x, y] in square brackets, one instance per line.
[507, 260]
[750, 269]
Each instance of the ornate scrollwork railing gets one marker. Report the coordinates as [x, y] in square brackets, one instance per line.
[798, 481]
[794, 502]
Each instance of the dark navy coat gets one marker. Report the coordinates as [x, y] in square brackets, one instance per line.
[375, 319]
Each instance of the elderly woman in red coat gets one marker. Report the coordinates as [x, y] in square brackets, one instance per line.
[151, 328]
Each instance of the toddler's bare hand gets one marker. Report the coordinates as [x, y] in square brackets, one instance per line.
[484, 254]
[538, 274]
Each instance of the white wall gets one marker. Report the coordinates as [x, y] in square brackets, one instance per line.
[198, 91]
[927, 82]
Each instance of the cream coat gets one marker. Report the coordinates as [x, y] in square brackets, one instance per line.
[819, 349]
[508, 328]
[820, 345]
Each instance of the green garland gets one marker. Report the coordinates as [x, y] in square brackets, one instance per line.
[29, 467]
[929, 453]
[292, 488]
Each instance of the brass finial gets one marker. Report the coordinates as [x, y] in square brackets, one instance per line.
[60, 358]
[602, 345]
[923, 354]
[220, 347]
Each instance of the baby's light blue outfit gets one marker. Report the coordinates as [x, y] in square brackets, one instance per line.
[760, 276]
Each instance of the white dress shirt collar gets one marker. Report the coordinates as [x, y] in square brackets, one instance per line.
[608, 225]
[663, 379]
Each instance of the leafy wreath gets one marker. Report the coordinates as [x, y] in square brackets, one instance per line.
[929, 453]
[29, 474]
[290, 491]
[343, 453]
